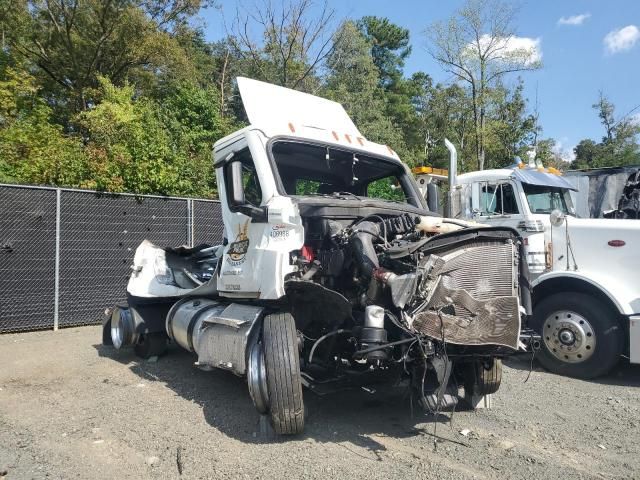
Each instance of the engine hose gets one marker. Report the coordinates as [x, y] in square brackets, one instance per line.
[453, 222]
[362, 353]
[363, 247]
[324, 337]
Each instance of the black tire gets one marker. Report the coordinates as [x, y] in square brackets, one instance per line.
[282, 365]
[151, 345]
[483, 377]
[603, 329]
[106, 332]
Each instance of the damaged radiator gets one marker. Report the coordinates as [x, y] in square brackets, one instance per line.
[471, 295]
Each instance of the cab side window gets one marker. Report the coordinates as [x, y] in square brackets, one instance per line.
[250, 182]
[498, 199]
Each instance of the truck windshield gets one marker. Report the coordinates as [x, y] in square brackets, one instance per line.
[544, 199]
[318, 170]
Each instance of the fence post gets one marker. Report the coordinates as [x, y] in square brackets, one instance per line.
[190, 222]
[56, 288]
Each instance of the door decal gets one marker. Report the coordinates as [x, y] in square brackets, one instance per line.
[238, 249]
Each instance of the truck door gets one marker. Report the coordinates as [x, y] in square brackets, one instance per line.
[496, 204]
[243, 231]
[261, 227]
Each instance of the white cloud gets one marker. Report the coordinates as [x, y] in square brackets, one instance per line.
[635, 119]
[574, 19]
[622, 39]
[525, 44]
[564, 151]
[508, 48]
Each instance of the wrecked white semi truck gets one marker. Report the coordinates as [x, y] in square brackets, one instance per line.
[332, 272]
[584, 271]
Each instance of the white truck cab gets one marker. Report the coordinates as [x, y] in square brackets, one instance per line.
[332, 272]
[584, 272]
[257, 253]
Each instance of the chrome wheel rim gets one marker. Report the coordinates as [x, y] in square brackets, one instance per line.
[257, 379]
[122, 328]
[118, 328]
[569, 336]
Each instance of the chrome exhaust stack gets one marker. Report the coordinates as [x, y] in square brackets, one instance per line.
[453, 175]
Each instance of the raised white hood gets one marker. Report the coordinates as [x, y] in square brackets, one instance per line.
[269, 105]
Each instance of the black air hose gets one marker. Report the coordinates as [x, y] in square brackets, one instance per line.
[362, 243]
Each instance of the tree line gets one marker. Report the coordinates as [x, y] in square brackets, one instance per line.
[128, 95]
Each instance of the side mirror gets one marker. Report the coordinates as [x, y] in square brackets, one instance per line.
[234, 184]
[235, 194]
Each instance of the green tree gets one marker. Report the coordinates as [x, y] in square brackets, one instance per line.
[193, 119]
[353, 81]
[389, 47]
[33, 149]
[476, 46]
[587, 152]
[510, 129]
[444, 111]
[130, 148]
[548, 154]
[619, 145]
[128, 95]
[605, 110]
[73, 42]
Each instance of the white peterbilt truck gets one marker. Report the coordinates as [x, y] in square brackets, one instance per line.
[332, 272]
[585, 273]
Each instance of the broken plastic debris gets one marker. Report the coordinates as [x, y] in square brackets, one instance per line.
[465, 432]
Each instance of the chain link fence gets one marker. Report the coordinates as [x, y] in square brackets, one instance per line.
[65, 254]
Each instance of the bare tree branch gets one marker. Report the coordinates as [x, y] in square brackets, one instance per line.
[295, 39]
[474, 46]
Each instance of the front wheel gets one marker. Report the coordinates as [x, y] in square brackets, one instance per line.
[282, 369]
[483, 377]
[581, 336]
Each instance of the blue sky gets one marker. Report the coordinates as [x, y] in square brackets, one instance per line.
[596, 46]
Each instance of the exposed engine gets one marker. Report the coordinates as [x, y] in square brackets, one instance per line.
[428, 301]
[391, 293]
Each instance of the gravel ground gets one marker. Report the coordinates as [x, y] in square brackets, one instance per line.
[70, 408]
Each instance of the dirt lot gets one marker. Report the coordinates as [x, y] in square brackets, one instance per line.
[70, 408]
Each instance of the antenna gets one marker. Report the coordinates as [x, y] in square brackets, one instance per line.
[536, 128]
